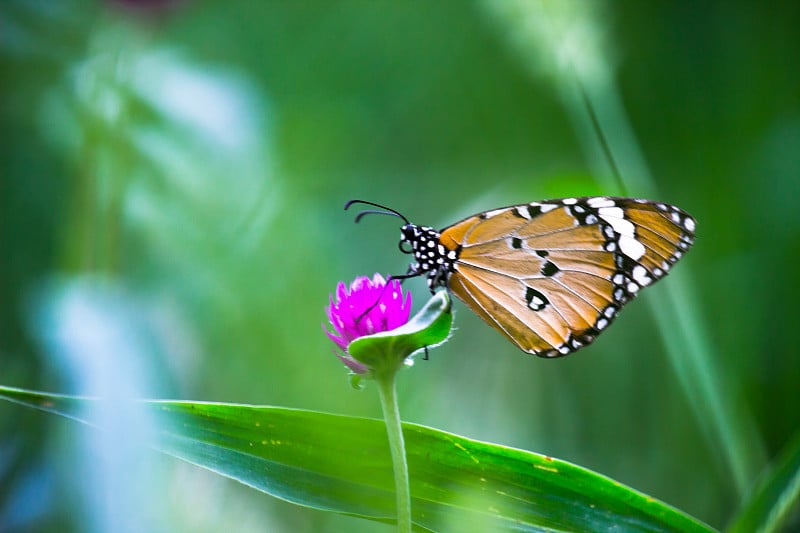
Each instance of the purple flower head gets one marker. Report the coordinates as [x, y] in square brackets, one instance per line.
[369, 306]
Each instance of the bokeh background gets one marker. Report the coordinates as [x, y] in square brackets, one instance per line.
[172, 176]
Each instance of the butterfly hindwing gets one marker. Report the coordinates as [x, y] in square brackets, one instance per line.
[552, 275]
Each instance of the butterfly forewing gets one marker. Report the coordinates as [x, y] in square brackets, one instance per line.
[552, 275]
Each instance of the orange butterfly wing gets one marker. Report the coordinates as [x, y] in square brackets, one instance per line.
[552, 275]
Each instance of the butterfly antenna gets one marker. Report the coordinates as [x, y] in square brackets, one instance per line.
[386, 210]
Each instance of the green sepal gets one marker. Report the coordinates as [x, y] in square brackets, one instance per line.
[386, 351]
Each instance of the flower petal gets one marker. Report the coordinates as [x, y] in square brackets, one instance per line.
[352, 364]
[367, 306]
[339, 341]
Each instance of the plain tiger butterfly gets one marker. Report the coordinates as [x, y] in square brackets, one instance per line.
[550, 275]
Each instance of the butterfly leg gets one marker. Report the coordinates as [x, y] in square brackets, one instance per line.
[401, 278]
[412, 273]
[436, 279]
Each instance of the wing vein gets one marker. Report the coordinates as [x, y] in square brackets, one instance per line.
[506, 274]
[516, 232]
[486, 311]
[513, 297]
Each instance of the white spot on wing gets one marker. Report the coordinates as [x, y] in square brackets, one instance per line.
[569, 201]
[620, 225]
[614, 212]
[523, 213]
[490, 214]
[640, 275]
[689, 224]
[631, 247]
[600, 201]
[547, 207]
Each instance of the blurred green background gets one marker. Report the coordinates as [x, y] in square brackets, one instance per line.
[172, 176]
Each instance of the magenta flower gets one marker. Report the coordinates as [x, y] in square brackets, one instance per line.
[368, 307]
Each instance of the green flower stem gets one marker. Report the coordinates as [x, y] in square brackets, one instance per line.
[384, 354]
[391, 414]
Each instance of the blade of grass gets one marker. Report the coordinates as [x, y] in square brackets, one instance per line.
[564, 42]
[776, 493]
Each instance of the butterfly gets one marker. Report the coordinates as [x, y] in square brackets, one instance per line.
[550, 275]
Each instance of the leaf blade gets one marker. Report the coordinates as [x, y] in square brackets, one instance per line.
[342, 464]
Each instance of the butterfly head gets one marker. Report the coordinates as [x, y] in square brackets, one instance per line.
[431, 257]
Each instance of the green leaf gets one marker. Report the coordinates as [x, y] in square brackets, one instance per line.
[775, 494]
[342, 464]
[429, 327]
